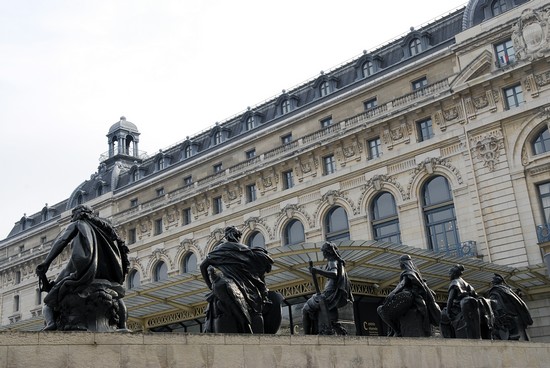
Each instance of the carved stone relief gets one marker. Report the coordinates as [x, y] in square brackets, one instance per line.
[395, 135]
[252, 224]
[430, 165]
[530, 35]
[232, 194]
[291, 209]
[306, 166]
[487, 148]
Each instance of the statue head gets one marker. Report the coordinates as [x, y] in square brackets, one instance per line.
[232, 234]
[498, 280]
[81, 210]
[456, 271]
[330, 251]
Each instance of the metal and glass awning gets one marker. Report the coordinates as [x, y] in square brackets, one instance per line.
[373, 268]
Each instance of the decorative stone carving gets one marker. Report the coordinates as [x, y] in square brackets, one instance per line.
[487, 148]
[306, 166]
[530, 35]
[377, 183]
[252, 224]
[290, 209]
[530, 85]
[200, 206]
[395, 135]
[232, 194]
[190, 244]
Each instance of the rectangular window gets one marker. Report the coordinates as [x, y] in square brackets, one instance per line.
[514, 96]
[287, 138]
[188, 180]
[329, 165]
[17, 277]
[160, 192]
[326, 122]
[374, 148]
[425, 130]
[132, 236]
[158, 226]
[186, 216]
[21, 248]
[370, 104]
[251, 193]
[16, 303]
[505, 53]
[419, 83]
[217, 168]
[217, 205]
[250, 153]
[288, 179]
[133, 202]
[43, 240]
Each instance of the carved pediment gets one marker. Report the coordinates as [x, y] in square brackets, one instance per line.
[481, 65]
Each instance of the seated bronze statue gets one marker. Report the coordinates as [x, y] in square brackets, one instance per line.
[239, 301]
[87, 294]
[410, 309]
[320, 312]
[467, 315]
[512, 315]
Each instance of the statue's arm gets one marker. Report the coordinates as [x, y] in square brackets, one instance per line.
[57, 247]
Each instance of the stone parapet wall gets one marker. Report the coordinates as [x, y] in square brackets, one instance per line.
[83, 349]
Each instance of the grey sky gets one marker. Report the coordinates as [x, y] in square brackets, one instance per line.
[70, 68]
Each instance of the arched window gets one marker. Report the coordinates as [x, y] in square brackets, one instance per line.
[160, 164]
[385, 222]
[336, 224]
[129, 149]
[256, 239]
[498, 7]
[135, 175]
[294, 233]
[415, 46]
[439, 214]
[99, 190]
[133, 280]
[541, 144]
[368, 68]
[79, 199]
[189, 263]
[324, 88]
[161, 271]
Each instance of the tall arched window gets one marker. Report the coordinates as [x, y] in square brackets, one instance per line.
[133, 280]
[294, 233]
[161, 272]
[439, 214]
[368, 68]
[498, 7]
[336, 224]
[415, 46]
[385, 222]
[188, 151]
[250, 123]
[189, 263]
[256, 239]
[160, 164]
[135, 175]
[541, 144]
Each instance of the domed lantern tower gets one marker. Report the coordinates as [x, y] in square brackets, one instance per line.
[123, 138]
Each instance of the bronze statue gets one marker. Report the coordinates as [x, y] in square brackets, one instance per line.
[512, 315]
[320, 312]
[467, 315]
[87, 294]
[239, 301]
[410, 308]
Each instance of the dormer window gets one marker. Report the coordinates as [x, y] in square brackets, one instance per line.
[368, 68]
[188, 151]
[285, 107]
[217, 138]
[99, 190]
[250, 123]
[324, 88]
[415, 47]
[135, 175]
[498, 7]
[160, 164]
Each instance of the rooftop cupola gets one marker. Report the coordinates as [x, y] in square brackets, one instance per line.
[123, 138]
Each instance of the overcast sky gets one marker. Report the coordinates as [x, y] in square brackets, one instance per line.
[70, 68]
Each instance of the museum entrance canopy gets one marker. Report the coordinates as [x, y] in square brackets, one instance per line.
[373, 268]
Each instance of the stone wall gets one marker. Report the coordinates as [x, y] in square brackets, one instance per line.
[82, 349]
